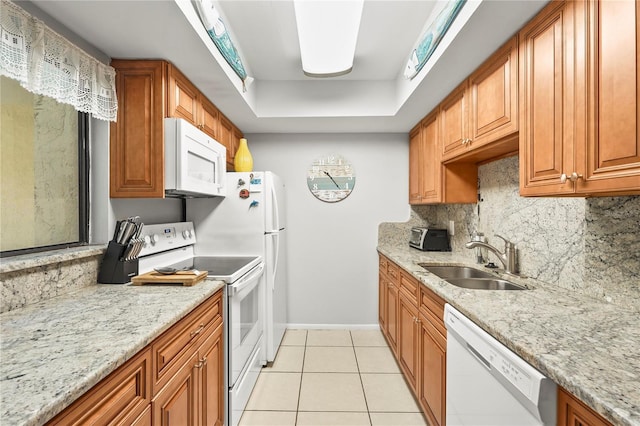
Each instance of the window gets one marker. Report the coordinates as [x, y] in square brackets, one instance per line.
[43, 172]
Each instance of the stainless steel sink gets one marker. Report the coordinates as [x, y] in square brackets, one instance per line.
[446, 272]
[484, 284]
[471, 278]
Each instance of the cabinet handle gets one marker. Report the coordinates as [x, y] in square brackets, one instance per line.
[204, 360]
[199, 364]
[574, 177]
[196, 332]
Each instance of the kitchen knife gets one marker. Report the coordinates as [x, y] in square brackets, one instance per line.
[130, 228]
[121, 226]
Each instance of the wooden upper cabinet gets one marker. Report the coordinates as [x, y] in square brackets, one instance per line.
[431, 188]
[183, 97]
[493, 98]
[610, 159]
[225, 137]
[579, 88]
[210, 116]
[416, 169]
[137, 138]
[454, 122]
[235, 143]
[148, 91]
[546, 100]
[430, 181]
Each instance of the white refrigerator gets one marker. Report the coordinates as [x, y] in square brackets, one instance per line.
[250, 220]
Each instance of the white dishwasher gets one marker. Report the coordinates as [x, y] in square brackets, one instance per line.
[488, 384]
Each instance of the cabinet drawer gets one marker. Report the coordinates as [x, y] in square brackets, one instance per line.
[119, 399]
[168, 348]
[384, 263]
[432, 305]
[393, 272]
[411, 286]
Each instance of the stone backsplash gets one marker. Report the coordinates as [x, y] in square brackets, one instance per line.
[28, 279]
[588, 245]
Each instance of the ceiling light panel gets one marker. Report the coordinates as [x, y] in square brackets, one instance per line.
[328, 32]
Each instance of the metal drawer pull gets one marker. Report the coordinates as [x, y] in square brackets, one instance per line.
[198, 331]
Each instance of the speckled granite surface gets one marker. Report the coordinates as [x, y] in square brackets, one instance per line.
[35, 277]
[55, 350]
[589, 347]
[590, 246]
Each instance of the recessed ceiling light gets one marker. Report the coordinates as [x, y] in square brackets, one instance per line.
[328, 32]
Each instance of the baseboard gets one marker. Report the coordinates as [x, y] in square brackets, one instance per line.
[333, 326]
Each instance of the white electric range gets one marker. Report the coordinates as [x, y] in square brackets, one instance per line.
[172, 245]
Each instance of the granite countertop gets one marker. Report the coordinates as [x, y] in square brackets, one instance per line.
[54, 351]
[588, 347]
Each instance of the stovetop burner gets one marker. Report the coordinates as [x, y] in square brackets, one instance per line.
[226, 268]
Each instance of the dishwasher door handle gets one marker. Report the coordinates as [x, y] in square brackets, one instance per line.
[479, 357]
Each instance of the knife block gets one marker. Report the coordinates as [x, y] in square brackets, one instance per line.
[114, 269]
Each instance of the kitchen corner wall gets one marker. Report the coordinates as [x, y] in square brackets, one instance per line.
[333, 264]
[591, 246]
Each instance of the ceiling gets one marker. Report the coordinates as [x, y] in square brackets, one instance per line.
[374, 97]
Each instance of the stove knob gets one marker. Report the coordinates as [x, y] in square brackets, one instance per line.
[147, 240]
[186, 234]
[154, 239]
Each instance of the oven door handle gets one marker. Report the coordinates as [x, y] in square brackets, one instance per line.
[246, 280]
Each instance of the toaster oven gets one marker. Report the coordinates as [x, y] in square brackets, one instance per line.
[429, 239]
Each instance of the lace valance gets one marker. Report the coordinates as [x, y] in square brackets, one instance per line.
[45, 63]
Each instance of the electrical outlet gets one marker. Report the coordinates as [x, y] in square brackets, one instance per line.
[452, 228]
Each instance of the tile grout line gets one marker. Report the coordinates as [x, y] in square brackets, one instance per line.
[304, 355]
[364, 394]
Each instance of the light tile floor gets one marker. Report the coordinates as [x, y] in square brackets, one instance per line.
[332, 378]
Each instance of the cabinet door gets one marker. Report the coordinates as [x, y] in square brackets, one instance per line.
[212, 381]
[416, 168]
[431, 154]
[177, 403]
[235, 143]
[183, 97]
[408, 344]
[225, 135]
[433, 369]
[572, 412]
[209, 117]
[137, 138]
[494, 97]
[610, 160]
[392, 316]
[382, 302]
[546, 101]
[454, 122]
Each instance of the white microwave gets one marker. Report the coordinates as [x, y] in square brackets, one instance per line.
[195, 164]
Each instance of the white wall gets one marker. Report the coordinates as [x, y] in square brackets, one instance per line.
[333, 263]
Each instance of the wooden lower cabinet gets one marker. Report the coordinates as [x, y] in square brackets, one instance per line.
[572, 412]
[176, 403]
[392, 316]
[414, 328]
[212, 380]
[190, 393]
[119, 399]
[408, 340]
[432, 371]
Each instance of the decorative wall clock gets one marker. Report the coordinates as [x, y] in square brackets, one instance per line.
[331, 178]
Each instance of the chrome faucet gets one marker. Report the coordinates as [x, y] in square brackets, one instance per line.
[508, 258]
